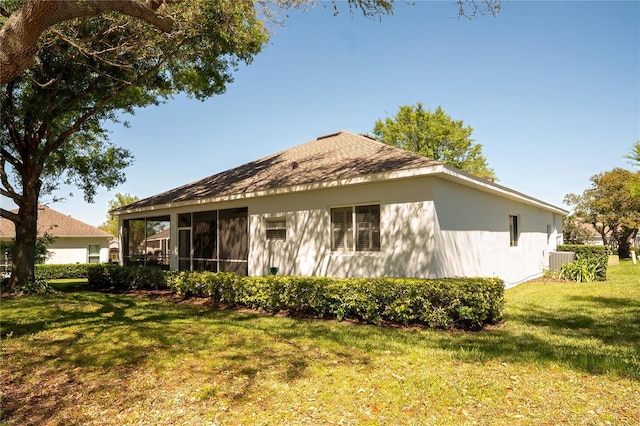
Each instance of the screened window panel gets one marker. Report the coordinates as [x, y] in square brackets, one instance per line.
[234, 235]
[184, 220]
[205, 235]
[342, 228]
[208, 265]
[240, 268]
[184, 249]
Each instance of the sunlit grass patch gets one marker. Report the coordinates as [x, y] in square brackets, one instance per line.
[567, 353]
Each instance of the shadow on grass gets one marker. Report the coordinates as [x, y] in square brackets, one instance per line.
[83, 331]
[599, 335]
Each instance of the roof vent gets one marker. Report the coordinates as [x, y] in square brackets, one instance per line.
[328, 136]
[294, 165]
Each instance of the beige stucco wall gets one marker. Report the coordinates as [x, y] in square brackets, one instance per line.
[65, 250]
[473, 237]
[406, 222]
[430, 227]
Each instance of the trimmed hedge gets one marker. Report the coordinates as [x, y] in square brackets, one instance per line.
[115, 277]
[55, 272]
[467, 303]
[599, 254]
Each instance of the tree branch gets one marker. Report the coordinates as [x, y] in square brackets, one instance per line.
[13, 217]
[7, 156]
[9, 191]
[20, 33]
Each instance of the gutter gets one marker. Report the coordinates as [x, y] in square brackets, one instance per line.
[440, 170]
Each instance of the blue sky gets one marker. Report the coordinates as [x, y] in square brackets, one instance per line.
[552, 90]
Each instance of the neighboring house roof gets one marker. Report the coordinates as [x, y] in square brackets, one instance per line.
[593, 231]
[162, 235]
[337, 159]
[55, 224]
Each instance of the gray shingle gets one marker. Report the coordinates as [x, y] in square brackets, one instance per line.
[337, 156]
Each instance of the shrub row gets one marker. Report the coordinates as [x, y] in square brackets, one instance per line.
[467, 303]
[597, 255]
[55, 272]
[116, 278]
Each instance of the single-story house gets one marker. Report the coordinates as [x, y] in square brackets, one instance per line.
[345, 205]
[73, 241]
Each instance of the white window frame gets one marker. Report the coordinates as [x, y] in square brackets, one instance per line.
[351, 228]
[94, 256]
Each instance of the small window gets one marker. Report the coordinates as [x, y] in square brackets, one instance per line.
[276, 229]
[365, 233]
[514, 231]
[94, 253]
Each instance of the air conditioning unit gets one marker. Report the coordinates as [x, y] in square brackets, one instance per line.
[558, 258]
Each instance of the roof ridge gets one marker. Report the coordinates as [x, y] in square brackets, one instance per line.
[337, 155]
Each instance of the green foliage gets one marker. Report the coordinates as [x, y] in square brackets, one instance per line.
[582, 270]
[634, 156]
[566, 354]
[56, 272]
[591, 259]
[119, 200]
[28, 286]
[573, 232]
[434, 135]
[117, 278]
[42, 248]
[467, 303]
[610, 207]
[91, 71]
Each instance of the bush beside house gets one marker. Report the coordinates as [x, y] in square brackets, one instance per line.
[62, 271]
[596, 257]
[466, 303]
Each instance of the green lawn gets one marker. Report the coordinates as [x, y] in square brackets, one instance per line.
[567, 354]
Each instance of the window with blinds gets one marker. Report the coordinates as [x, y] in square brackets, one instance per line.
[276, 229]
[364, 236]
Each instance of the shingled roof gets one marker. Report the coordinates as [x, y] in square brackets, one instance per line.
[55, 224]
[337, 156]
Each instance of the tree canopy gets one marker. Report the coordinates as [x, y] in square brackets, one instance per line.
[434, 135]
[88, 71]
[610, 207]
[573, 231]
[634, 156]
[119, 200]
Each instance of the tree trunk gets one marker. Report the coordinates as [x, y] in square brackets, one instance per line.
[24, 251]
[624, 251]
